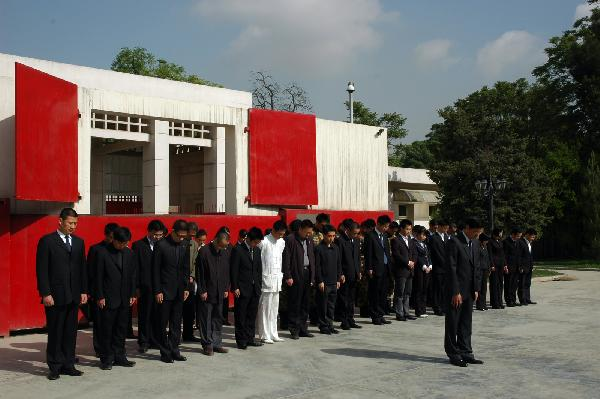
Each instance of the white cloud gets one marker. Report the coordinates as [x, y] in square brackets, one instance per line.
[583, 10]
[303, 36]
[435, 53]
[514, 51]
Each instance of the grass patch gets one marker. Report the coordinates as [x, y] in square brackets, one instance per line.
[545, 273]
[569, 264]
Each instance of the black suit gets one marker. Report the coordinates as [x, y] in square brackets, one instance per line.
[421, 278]
[403, 274]
[377, 262]
[485, 266]
[350, 253]
[437, 250]
[93, 308]
[298, 295]
[170, 276]
[148, 320]
[115, 282]
[246, 275]
[525, 272]
[463, 277]
[61, 272]
[497, 262]
[512, 252]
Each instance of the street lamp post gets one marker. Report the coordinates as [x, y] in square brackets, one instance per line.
[350, 90]
[488, 188]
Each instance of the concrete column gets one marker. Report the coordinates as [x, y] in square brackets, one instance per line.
[214, 173]
[155, 170]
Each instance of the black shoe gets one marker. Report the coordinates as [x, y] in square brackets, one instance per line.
[517, 304]
[124, 363]
[510, 305]
[73, 372]
[524, 304]
[345, 327]
[502, 306]
[472, 360]
[532, 303]
[377, 322]
[255, 343]
[143, 349]
[409, 317]
[354, 325]
[326, 332]
[179, 358]
[384, 321]
[306, 334]
[191, 339]
[334, 331]
[166, 359]
[400, 318]
[53, 375]
[295, 336]
[439, 313]
[106, 366]
[458, 362]
[242, 346]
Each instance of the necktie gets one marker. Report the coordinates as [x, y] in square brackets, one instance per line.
[68, 242]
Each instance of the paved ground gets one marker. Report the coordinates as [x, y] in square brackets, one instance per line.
[550, 350]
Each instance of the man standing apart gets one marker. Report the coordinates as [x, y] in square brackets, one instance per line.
[170, 281]
[271, 249]
[328, 274]
[403, 254]
[349, 245]
[526, 268]
[62, 284]
[463, 277]
[512, 252]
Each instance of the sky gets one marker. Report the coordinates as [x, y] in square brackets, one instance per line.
[412, 57]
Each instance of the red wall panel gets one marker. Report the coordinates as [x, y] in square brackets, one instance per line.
[25, 310]
[283, 160]
[46, 118]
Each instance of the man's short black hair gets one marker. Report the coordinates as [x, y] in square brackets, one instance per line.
[109, 228]
[279, 226]
[295, 225]
[328, 229]
[418, 229]
[496, 232]
[306, 223]
[243, 233]
[369, 224]
[323, 218]
[484, 237]
[383, 219]
[442, 222]
[531, 232]
[180, 225]
[201, 233]
[348, 223]
[156, 225]
[192, 226]
[255, 234]
[394, 225]
[473, 223]
[66, 212]
[405, 223]
[121, 234]
[222, 235]
[224, 229]
[515, 230]
[433, 222]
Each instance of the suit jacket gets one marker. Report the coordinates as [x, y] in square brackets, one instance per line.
[401, 255]
[293, 258]
[422, 256]
[525, 257]
[485, 263]
[512, 252]
[170, 268]
[61, 273]
[246, 271]
[437, 250]
[463, 274]
[497, 258]
[143, 258]
[212, 272]
[328, 264]
[375, 253]
[91, 263]
[115, 276]
[350, 253]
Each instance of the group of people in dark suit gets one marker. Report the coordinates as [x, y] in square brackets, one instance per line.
[182, 278]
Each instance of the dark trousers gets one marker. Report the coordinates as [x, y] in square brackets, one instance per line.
[420, 288]
[170, 316]
[326, 306]
[437, 292]
[210, 320]
[245, 310]
[148, 320]
[377, 293]
[496, 288]
[402, 293]
[96, 322]
[225, 309]
[189, 315]
[511, 283]
[458, 328]
[347, 298]
[524, 289]
[114, 331]
[482, 299]
[298, 304]
[61, 323]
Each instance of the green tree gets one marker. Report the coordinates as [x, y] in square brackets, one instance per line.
[413, 155]
[590, 208]
[139, 61]
[392, 121]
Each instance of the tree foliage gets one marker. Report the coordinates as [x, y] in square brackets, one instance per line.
[267, 93]
[139, 61]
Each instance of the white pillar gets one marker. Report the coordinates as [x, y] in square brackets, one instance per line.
[155, 170]
[214, 173]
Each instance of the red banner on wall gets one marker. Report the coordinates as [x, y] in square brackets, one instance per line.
[283, 158]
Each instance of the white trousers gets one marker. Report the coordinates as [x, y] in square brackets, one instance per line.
[268, 308]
